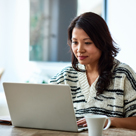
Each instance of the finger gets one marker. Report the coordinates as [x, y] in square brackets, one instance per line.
[81, 122]
[85, 125]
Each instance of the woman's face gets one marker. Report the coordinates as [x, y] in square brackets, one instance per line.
[83, 48]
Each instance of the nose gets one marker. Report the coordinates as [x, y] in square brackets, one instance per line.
[80, 48]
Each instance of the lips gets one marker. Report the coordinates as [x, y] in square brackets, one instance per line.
[82, 57]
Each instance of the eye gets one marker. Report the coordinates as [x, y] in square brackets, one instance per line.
[74, 42]
[87, 43]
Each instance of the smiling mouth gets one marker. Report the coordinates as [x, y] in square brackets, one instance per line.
[82, 57]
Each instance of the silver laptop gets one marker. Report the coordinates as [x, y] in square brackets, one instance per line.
[42, 106]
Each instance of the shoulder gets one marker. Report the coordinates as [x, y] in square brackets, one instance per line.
[123, 68]
[67, 71]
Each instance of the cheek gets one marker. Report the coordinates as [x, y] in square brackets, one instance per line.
[90, 50]
[98, 54]
[93, 50]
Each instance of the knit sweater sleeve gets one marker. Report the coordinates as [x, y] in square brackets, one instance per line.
[61, 77]
[129, 92]
[57, 79]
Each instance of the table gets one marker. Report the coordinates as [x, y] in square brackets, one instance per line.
[8, 130]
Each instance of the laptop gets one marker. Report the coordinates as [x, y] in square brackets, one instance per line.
[41, 106]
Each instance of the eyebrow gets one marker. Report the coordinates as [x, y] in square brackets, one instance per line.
[87, 39]
[83, 39]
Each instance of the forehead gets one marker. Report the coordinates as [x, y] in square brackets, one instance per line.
[79, 33]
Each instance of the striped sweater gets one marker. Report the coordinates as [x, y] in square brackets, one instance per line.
[118, 100]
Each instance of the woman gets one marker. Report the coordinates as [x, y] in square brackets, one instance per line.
[99, 83]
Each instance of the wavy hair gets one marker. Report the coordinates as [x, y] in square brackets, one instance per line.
[97, 29]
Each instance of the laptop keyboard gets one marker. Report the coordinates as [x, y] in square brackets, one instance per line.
[78, 118]
[80, 127]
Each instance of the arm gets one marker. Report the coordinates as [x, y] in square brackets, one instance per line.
[57, 79]
[129, 100]
[63, 77]
[129, 122]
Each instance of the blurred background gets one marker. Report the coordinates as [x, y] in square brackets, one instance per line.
[33, 36]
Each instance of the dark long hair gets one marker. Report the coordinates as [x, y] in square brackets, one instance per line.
[97, 29]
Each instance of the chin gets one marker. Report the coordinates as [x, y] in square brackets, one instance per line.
[83, 63]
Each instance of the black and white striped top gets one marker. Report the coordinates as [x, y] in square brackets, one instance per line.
[118, 100]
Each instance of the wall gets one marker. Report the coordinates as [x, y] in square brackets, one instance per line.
[121, 20]
[14, 46]
[14, 39]
[13, 43]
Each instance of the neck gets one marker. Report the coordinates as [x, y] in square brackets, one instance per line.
[91, 68]
[92, 73]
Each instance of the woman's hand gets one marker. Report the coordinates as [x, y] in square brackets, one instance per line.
[82, 122]
[129, 122]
